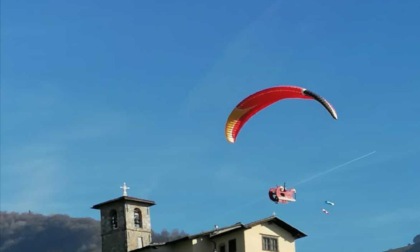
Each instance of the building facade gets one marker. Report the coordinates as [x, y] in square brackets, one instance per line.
[125, 223]
[126, 227]
[268, 234]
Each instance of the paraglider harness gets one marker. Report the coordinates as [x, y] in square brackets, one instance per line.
[280, 194]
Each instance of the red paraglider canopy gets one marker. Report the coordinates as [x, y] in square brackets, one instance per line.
[261, 99]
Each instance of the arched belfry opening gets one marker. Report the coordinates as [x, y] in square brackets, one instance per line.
[137, 218]
[125, 222]
[113, 219]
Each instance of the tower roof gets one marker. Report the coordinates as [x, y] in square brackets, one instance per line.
[123, 199]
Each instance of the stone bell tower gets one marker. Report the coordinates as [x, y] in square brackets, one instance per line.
[125, 223]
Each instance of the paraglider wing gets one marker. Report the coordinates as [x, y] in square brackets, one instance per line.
[324, 102]
[329, 203]
[264, 98]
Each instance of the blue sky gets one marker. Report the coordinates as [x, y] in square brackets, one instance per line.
[97, 93]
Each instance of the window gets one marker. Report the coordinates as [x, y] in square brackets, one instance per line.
[232, 245]
[269, 244]
[222, 248]
[139, 242]
[113, 219]
[137, 218]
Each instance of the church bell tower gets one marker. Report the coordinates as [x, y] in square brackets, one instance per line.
[125, 223]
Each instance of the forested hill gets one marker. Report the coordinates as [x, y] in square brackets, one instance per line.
[412, 247]
[36, 232]
[57, 233]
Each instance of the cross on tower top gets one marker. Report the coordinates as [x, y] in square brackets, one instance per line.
[124, 187]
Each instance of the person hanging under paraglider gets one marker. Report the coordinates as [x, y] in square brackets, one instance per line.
[280, 194]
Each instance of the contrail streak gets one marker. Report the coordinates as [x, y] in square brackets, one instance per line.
[334, 168]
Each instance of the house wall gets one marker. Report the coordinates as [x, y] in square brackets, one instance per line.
[202, 244]
[253, 238]
[224, 239]
[182, 246]
[247, 240]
